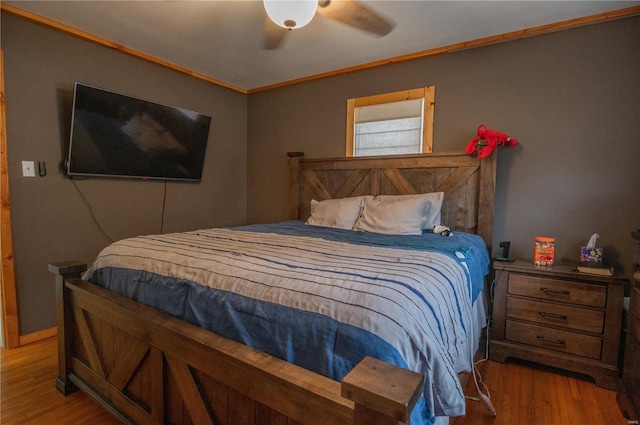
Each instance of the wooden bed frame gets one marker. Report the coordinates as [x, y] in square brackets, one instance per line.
[147, 367]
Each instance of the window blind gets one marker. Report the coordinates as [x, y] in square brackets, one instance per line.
[392, 128]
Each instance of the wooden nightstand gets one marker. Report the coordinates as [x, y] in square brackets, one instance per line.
[558, 317]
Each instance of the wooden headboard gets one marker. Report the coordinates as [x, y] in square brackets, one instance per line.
[468, 184]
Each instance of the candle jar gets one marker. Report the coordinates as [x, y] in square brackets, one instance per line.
[544, 251]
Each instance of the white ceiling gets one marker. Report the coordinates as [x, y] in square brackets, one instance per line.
[223, 39]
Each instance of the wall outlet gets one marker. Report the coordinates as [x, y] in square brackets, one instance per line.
[28, 169]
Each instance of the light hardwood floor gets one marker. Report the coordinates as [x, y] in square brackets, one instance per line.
[521, 394]
[28, 394]
[530, 395]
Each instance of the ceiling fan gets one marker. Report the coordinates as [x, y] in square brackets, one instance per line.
[285, 15]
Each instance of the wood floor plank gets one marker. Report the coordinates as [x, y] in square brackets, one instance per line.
[522, 395]
[28, 394]
[530, 395]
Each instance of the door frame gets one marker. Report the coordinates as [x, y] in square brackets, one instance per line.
[10, 329]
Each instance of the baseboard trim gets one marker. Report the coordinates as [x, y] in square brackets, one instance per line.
[38, 336]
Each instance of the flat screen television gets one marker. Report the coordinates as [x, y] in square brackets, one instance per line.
[114, 135]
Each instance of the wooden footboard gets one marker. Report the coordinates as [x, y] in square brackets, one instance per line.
[148, 367]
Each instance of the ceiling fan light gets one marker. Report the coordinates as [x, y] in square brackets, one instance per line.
[291, 13]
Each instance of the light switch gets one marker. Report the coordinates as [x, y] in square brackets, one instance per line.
[28, 169]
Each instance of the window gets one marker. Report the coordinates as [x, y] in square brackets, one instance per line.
[391, 123]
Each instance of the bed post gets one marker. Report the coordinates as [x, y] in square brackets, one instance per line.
[294, 184]
[63, 271]
[486, 199]
[384, 394]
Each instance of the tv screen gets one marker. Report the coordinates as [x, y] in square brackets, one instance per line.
[113, 135]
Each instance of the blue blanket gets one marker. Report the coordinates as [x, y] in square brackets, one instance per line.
[463, 247]
[317, 297]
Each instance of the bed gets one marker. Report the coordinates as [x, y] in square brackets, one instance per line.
[337, 326]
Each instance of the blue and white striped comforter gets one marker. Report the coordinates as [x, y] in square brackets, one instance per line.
[317, 297]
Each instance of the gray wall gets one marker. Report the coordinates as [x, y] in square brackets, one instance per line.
[50, 220]
[571, 98]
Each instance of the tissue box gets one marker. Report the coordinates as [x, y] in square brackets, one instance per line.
[590, 255]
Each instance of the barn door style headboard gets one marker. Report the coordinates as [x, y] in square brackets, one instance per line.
[468, 184]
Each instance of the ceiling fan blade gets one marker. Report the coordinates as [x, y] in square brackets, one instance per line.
[273, 34]
[354, 13]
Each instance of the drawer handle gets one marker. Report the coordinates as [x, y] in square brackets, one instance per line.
[552, 315]
[551, 341]
[554, 291]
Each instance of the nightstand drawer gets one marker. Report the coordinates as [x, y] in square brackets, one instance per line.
[575, 318]
[558, 290]
[553, 339]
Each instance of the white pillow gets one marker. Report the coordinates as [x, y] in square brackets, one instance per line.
[341, 213]
[400, 214]
[432, 215]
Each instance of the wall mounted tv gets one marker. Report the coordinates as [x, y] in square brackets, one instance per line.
[113, 135]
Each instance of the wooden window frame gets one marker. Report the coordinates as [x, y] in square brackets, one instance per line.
[427, 93]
